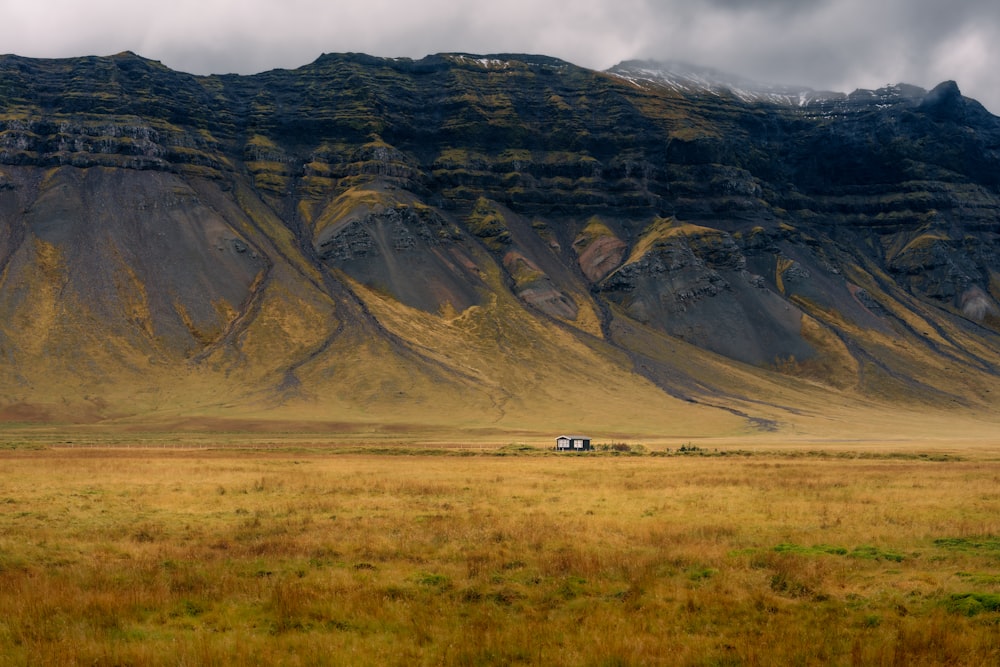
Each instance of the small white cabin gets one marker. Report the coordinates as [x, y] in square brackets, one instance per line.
[572, 443]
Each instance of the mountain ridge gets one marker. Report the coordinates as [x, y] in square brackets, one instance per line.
[684, 77]
[495, 241]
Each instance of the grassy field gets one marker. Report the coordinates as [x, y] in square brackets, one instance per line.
[874, 556]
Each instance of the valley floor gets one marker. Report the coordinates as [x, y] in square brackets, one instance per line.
[177, 551]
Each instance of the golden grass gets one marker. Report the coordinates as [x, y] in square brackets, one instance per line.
[306, 556]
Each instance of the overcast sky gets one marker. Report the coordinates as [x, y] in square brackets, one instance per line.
[829, 44]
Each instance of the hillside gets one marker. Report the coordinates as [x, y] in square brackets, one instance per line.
[490, 246]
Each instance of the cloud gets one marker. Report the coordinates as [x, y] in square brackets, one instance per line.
[833, 44]
[837, 44]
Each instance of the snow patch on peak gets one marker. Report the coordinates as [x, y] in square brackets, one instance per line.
[685, 78]
[504, 61]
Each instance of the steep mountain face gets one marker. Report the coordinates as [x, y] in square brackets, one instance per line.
[505, 242]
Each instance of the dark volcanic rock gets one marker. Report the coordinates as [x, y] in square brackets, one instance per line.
[848, 231]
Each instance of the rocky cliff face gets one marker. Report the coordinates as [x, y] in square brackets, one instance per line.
[375, 236]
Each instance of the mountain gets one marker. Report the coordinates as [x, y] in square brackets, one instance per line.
[686, 78]
[490, 245]
[696, 81]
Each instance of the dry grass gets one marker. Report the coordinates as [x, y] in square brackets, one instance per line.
[146, 557]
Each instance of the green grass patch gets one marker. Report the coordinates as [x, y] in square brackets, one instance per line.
[817, 550]
[11, 446]
[968, 543]
[433, 580]
[973, 604]
[865, 552]
[869, 552]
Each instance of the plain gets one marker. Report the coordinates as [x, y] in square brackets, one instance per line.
[690, 555]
